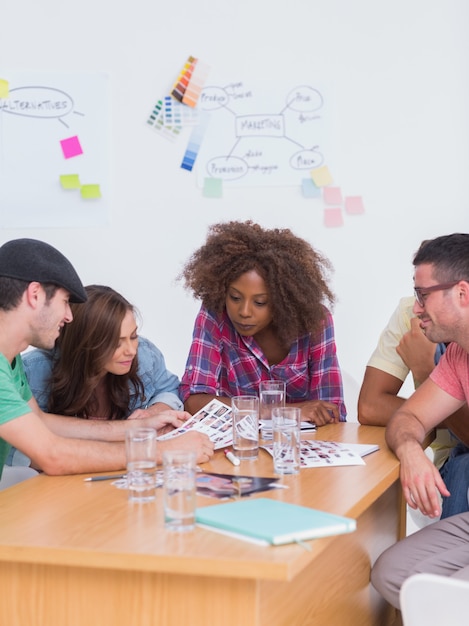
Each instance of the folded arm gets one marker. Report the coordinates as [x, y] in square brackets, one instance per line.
[378, 399]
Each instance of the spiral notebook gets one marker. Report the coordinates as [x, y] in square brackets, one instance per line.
[272, 522]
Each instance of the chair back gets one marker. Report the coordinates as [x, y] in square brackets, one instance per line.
[433, 600]
[351, 391]
[13, 474]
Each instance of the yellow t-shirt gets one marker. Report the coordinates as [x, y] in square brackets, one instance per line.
[386, 359]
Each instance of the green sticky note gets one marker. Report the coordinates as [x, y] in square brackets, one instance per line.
[4, 88]
[70, 181]
[213, 188]
[89, 192]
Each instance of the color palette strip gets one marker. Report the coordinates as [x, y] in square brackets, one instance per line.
[195, 142]
[196, 84]
[182, 81]
[190, 82]
[156, 121]
[177, 114]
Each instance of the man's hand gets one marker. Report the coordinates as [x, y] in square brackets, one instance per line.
[192, 440]
[421, 481]
[417, 352]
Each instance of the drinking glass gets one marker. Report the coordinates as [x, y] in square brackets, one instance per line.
[271, 396]
[179, 489]
[245, 414]
[287, 435]
[140, 449]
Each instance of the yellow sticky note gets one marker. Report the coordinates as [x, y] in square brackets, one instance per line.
[70, 181]
[321, 176]
[89, 192]
[4, 88]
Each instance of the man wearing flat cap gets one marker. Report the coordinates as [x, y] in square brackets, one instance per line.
[37, 283]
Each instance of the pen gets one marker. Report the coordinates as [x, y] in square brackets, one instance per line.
[231, 457]
[94, 478]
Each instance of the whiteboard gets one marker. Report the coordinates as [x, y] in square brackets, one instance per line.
[394, 81]
[54, 135]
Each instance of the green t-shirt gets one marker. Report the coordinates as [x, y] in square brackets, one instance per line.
[14, 397]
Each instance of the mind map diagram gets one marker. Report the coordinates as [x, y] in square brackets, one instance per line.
[262, 137]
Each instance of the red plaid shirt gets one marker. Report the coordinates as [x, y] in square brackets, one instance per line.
[222, 362]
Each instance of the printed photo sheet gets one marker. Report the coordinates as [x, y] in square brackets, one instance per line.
[214, 419]
[324, 454]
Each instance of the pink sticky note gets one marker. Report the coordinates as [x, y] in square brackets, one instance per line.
[332, 195]
[71, 147]
[354, 205]
[333, 217]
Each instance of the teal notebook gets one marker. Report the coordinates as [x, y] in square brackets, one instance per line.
[272, 521]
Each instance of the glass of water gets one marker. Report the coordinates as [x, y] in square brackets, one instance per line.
[245, 415]
[179, 489]
[271, 396]
[140, 450]
[286, 426]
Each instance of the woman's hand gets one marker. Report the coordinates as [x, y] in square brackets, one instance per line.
[163, 421]
[319, 412]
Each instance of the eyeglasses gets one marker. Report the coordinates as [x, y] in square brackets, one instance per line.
[421, 293]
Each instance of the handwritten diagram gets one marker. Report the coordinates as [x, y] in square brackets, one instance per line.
[255, 137]
[39, 102]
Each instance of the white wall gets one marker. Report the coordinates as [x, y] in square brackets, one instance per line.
[399, 76]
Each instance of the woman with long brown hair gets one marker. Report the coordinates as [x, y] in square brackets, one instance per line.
[100, 367]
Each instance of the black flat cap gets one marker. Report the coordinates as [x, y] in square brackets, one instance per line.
[36, 261]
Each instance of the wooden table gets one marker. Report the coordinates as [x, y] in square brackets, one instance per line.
[75, 553]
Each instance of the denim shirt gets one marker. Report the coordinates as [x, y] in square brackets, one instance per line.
[159, 384]
[440, 350]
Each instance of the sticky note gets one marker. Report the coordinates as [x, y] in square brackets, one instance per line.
[70, 181]
[333, 217]
[354, 205]
[332, 195]
[71, 147]
[309, 189]
[213, 188]
[89, 192]
[4, 88]
[321, 176]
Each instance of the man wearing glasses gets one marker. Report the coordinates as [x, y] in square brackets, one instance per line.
[442, 304]
[403, 348]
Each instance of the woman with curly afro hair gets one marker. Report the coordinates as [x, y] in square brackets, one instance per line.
[263, 316]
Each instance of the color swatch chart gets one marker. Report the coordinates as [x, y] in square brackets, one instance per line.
[190, 82]
[156, 121]
[178, 110]
[195, 141]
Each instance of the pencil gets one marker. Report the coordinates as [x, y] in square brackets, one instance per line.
[95, 478]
